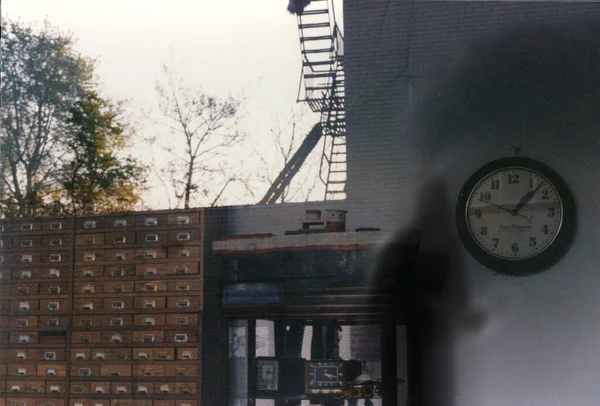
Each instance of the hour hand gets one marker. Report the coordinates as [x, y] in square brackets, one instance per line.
[328, 375]
[525, 199]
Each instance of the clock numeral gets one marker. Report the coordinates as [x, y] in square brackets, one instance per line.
[477, 213]
[496, 242]
[495, 184]
[515, 248]
[545, 194]
[551, 212]
[484, 230]
[486, 197]
[532, 241]
[513, 178]
[545, 229]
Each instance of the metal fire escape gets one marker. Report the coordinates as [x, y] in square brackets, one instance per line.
[323, 82]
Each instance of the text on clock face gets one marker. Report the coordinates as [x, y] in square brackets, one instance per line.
[514, 213]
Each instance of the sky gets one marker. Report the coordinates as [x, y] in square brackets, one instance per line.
[237, 47]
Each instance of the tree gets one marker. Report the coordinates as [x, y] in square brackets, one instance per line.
[43, 78]
[95, 175]
[207, 127]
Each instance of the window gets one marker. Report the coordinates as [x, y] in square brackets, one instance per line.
[55, 242]
[54, 389]
[118, 272]
[116, 322]
[89, 288]
[183, 236]
[84, 372]
[53, 306]
[149, 254]
[85, 339]
[56, 225]
[25, 275]
[23, 289]
[142, 355]
[87, 306]
[119, 239]
[147, 338]
[52, 322]
[184, 253]
[80, 356]
[118, 305]
[116, 338]
[142, 390]
[181, 270]
[181, 338]
[120, 223]
[50, 356]
[21, 371]
[150, 221]
[182, 321]
[55, 258]
[151, 238]
[181, 220]
[88, 273]
[26, 258]
[186, 355]
[51, 372]
[24, 306]
[100, 356]
[183, 287]
[26, 227]
[121, 389]
[184, 303]
[151, 287]
[119, 256]
[99, 389]
[149, 321]
[54, 290]
[148, 304]
[89, 257]
[150, 271]
[26, 243]
[54, 273]
[21, 355]
[164, 388]
[89, 224]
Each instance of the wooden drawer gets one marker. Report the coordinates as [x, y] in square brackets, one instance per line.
[53, 322]
[151, 286]
[119, 271]
[181, 337]
[57, 257]
[24, 370]
[186, 388]
[192, 251]
[47, 338]
[57, 241]
[149, 337]
[151, 237]
[117, 303]
[26, 242]
[116, 337]
[143, 388]
[12, 355]
[24, 322]
[88, 272]
[90, 255]
[184, 235]
[25, 258]
[89, 223]
[151, 221]
[182, 319]
[80, 355]
[184, 302]
[59, 287]
[90, 305]
[53, 306]
[118, 287]
[23, 289]
[88, 240]
[55, 369]
[151, 271]
[148, 320]
[148, 370]
[114, 354]
[188, 285]
[79, 387]
[179, 369]
[118, 238]
[181, 268]
[55, 387]
[88, 287]
[37, 387]
[118, 255]
[85, 370]
[154, 354]
[150, 253]
[115, 370]
[27, 225]
[120, 222]
[150, 302]
[121, 388]
[116, 320]
[44, 354]
[181, 219]
[86, 337]
[99, 388]
[24, 338]
[25, 274]
[57, 224]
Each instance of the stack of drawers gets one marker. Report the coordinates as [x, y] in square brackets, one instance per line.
[101, 310]
[35, 308]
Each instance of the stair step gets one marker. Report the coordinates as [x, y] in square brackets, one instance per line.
[316, 38]
[336, 182]
[317, 63]
[317, 51]
[319, 75]
[315, 12]
[314, 25]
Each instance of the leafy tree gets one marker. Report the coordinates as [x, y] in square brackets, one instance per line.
[95, 175]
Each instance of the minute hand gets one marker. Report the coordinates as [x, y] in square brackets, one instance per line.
[525, 199]
[508, 210]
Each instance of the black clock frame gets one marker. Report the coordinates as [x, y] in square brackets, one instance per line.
[549, 256]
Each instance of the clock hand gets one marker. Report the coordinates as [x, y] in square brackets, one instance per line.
[328, 375]
[508, 210]
[525, 199]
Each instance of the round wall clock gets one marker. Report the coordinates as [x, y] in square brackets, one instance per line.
[516, 216]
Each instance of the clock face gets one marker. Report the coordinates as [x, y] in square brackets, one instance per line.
[515, 215]
[267, 375]
[325, 374]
